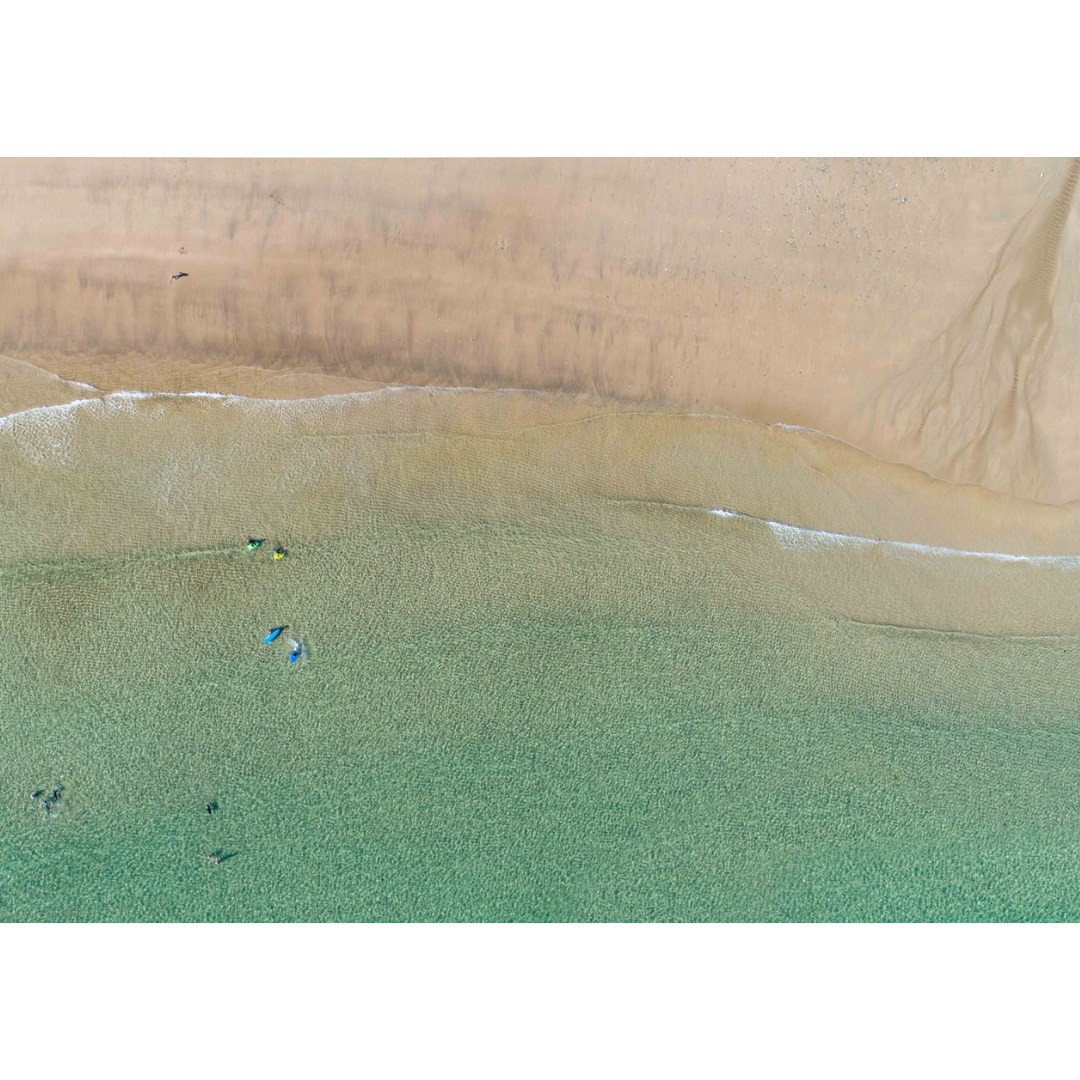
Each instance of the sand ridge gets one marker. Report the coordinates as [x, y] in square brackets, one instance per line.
[990, 399]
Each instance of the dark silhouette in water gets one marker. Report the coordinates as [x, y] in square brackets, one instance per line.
[211, 807]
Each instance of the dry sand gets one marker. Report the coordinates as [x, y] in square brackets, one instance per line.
[923, 310]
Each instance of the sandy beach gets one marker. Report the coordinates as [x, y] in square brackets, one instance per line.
[659, 540]
[921, 310]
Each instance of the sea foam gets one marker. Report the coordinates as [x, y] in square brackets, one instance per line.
[801, 538]
[44, 434]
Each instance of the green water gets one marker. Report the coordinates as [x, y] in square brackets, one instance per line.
[616, 717]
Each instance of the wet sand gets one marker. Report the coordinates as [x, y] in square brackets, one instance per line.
[919, 309]
[618, 635]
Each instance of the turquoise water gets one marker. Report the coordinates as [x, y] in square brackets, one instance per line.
[507, 722]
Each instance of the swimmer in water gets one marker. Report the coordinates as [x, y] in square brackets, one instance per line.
[296, 650]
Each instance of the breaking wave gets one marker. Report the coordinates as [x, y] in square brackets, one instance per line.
[801, 538]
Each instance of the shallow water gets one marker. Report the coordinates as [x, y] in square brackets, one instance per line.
[522, 699]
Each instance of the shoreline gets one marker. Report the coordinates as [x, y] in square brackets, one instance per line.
[786, 291]
[880, 501]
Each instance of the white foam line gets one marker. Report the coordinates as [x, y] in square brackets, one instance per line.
[799, 537]
[42, 410]
[658, 410]
[236, 399]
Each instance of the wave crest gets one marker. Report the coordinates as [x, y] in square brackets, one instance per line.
[803, 538]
